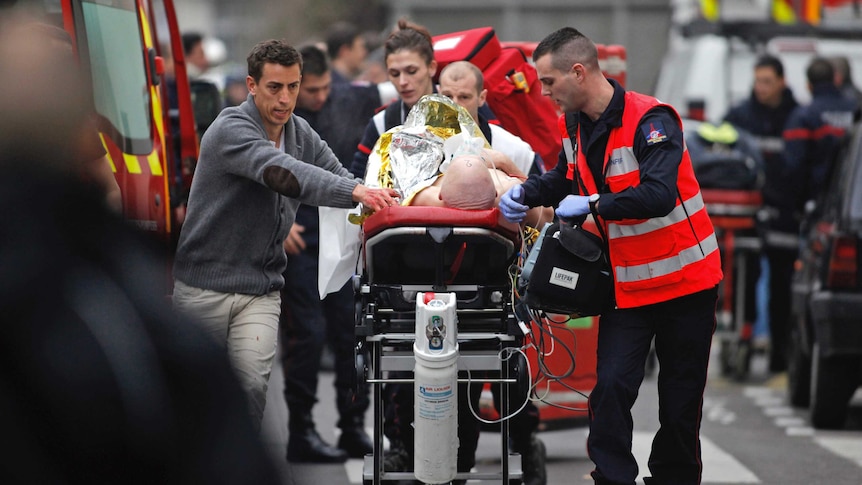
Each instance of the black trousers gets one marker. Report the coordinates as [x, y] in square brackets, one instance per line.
[399, 400]
[781, 261]
[683, 329]
[307, 323]
[398, 410]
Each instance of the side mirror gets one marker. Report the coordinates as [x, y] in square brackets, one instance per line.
[206, 102]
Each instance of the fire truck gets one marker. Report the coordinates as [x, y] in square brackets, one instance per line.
[132, 54]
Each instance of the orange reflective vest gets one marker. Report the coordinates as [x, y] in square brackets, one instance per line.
[660, 258]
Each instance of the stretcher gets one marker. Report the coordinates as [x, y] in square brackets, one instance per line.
[733, 214]
[409, 250]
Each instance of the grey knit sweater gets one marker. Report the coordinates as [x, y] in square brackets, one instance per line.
[244, 197]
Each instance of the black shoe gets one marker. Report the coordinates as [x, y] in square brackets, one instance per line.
[308, 447]
[777, 364]
[396, 459]
[355, 442]
[533, 463]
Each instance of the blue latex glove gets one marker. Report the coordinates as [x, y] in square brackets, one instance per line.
[573, 206]
[511, 204]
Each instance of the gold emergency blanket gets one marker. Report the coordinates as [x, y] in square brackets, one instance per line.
[407, 158]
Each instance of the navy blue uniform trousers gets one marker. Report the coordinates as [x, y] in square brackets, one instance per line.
[683, 329]
[307, 323]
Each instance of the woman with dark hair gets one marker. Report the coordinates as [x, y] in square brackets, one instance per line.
[410, 65]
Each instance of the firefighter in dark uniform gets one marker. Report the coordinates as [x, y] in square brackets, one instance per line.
[630, 160]
[812, 138]
[764, 115]
[338, 113]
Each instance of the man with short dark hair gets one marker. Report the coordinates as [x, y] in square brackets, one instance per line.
[195, 56]
[345, 45]
[764, 115]
[628, 165]
[464, 83]
[257, 163]
[338, 113]
[844, 79]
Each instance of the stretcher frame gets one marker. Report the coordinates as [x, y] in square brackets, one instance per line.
[385, 323]
[733, 214]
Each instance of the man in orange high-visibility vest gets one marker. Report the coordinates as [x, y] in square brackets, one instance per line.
[624, 159]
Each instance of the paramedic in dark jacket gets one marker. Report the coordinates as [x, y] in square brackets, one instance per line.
[631, 161]
[814, 133]
[764, 115]
[308, 322]
[812, 139]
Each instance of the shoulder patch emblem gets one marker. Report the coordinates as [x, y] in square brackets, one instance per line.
[654, 132]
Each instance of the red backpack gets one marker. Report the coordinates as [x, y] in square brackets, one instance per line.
[514, 91]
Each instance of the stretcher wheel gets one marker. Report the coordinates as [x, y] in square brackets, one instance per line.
[742, 360]
[727, 354]
[360, 365]
[735, 357]
[518, 370]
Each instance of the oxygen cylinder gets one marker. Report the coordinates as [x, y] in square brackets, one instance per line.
[435, 411]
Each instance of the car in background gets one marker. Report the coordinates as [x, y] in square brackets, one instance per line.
[825, 365]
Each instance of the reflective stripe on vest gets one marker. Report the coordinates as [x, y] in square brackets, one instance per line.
[569, 148]
[679, 213]
[621, 162]
[664, 267]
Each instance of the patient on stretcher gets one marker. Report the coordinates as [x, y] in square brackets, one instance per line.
[476, 182]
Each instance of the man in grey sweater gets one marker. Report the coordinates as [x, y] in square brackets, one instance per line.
[257, 163]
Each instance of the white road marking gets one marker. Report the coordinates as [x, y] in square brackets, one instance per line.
[790, 421]
[778, 411]
[718, 465]
[800, 431]
[850, 448]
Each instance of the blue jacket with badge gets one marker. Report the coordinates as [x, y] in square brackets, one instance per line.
[812, 139]
[766, 124]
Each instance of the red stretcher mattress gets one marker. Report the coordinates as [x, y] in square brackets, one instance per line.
[398, 216]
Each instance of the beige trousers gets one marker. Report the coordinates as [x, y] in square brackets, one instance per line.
[247, 325]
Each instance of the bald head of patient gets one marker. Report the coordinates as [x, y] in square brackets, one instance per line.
[467, 184]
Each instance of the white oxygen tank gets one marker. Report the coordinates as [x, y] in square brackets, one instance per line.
[436, 388]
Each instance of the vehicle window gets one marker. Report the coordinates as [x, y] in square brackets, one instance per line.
[116, 58]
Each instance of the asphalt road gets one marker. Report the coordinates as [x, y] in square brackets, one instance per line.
[749, 436]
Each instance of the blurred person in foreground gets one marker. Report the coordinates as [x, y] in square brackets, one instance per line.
[257, 163]
[631, 167]
[764, 115]
[334, 111]
[100, 382]
[95, 168]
